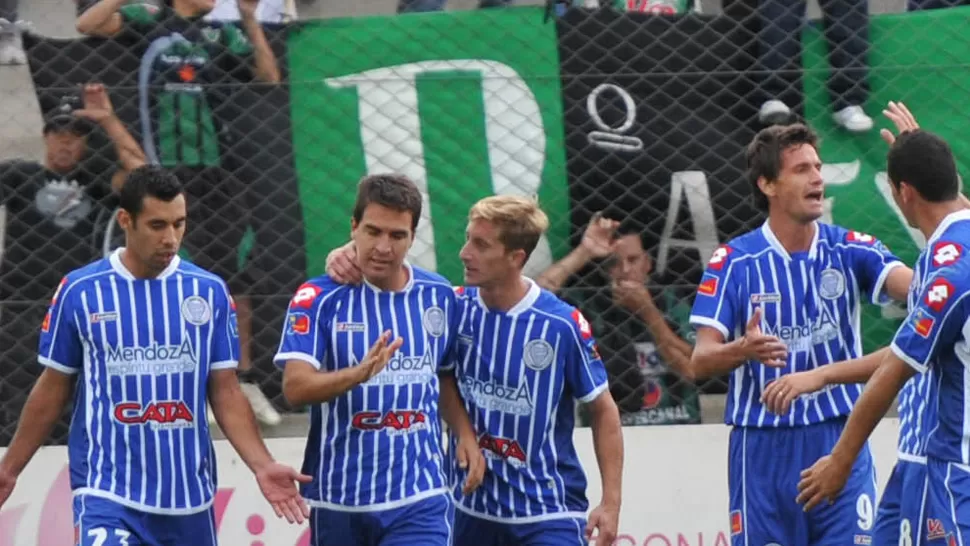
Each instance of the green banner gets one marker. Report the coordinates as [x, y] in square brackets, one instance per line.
[467, 104]
[917, 59]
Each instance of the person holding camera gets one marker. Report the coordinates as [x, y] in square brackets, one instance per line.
[55, 211]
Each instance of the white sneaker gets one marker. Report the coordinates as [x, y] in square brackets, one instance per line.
[11, 47]
[263, 409]
[774, 112]
[853, 118]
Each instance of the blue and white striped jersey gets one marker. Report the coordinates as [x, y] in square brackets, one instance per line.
[936, 335]
[917, 398]
[144, 349]
[378, 446]
[520, 373]
[810, 300]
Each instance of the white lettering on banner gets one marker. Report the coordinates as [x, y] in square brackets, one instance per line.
[390, 132]
[688, 469]
[608, 137]
[693, 184]
[882, 184]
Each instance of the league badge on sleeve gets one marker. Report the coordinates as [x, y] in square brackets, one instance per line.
[299, 323]
[708, 285]
[922, 323]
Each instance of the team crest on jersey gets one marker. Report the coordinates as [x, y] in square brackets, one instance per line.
[938, 293]
[212, 34]
[538, 354]
[945, 253]
[719, 258]
[859, 237]
[434, 321]
[708, 285]
[305, 297]
[831, 284]
[196, 311]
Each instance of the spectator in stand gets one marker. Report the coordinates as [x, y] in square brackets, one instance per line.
[645, 358]
[11, 48]
[194, 68]
[54, 213]
[779, 50]
[268, 11]
[414, 6]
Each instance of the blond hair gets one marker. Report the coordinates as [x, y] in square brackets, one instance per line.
[519, 220]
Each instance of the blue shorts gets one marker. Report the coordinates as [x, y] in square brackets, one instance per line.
[901, 508]
[948, 504]
[764, 469]
[101, 522]
[427, 522]
[554, 532]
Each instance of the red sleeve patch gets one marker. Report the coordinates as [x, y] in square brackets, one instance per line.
[859, 237]
[938, 293]
[708, 285]
[720, 257]
[584, 328]
[305, 297]
[58, 291]
[460, 290]
[945, 253]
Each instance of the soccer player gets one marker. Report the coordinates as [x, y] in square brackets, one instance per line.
[375, 446]
[524, 358]
[900, 514]
[780, 299]
[932, 340]
[146, 338]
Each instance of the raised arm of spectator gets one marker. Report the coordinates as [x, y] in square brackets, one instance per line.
[674, 350]
[98, 109]
[597, 243]
[101, 19]
[266, 68]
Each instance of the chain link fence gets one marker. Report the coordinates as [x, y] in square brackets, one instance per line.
[640, 117]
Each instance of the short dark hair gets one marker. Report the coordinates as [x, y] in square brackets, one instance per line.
[148, 181]
[394, 191]
[764, 154]
[925, 162]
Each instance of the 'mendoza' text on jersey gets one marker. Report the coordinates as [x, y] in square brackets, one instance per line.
[144, 349]
[378, 446]
[810, 300]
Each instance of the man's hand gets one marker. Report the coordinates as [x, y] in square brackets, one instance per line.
[823, 481]
[605, 519]
[630, 294]
[7, 483]
[97, 104]
[769, 350]
[901, 117]
[598, 237]
[247, 8]
[342, 265]
[780, 393]
[379, 355]
[470, 458]
[277, 482]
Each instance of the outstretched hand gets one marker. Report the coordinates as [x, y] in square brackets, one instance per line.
[901, 117]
